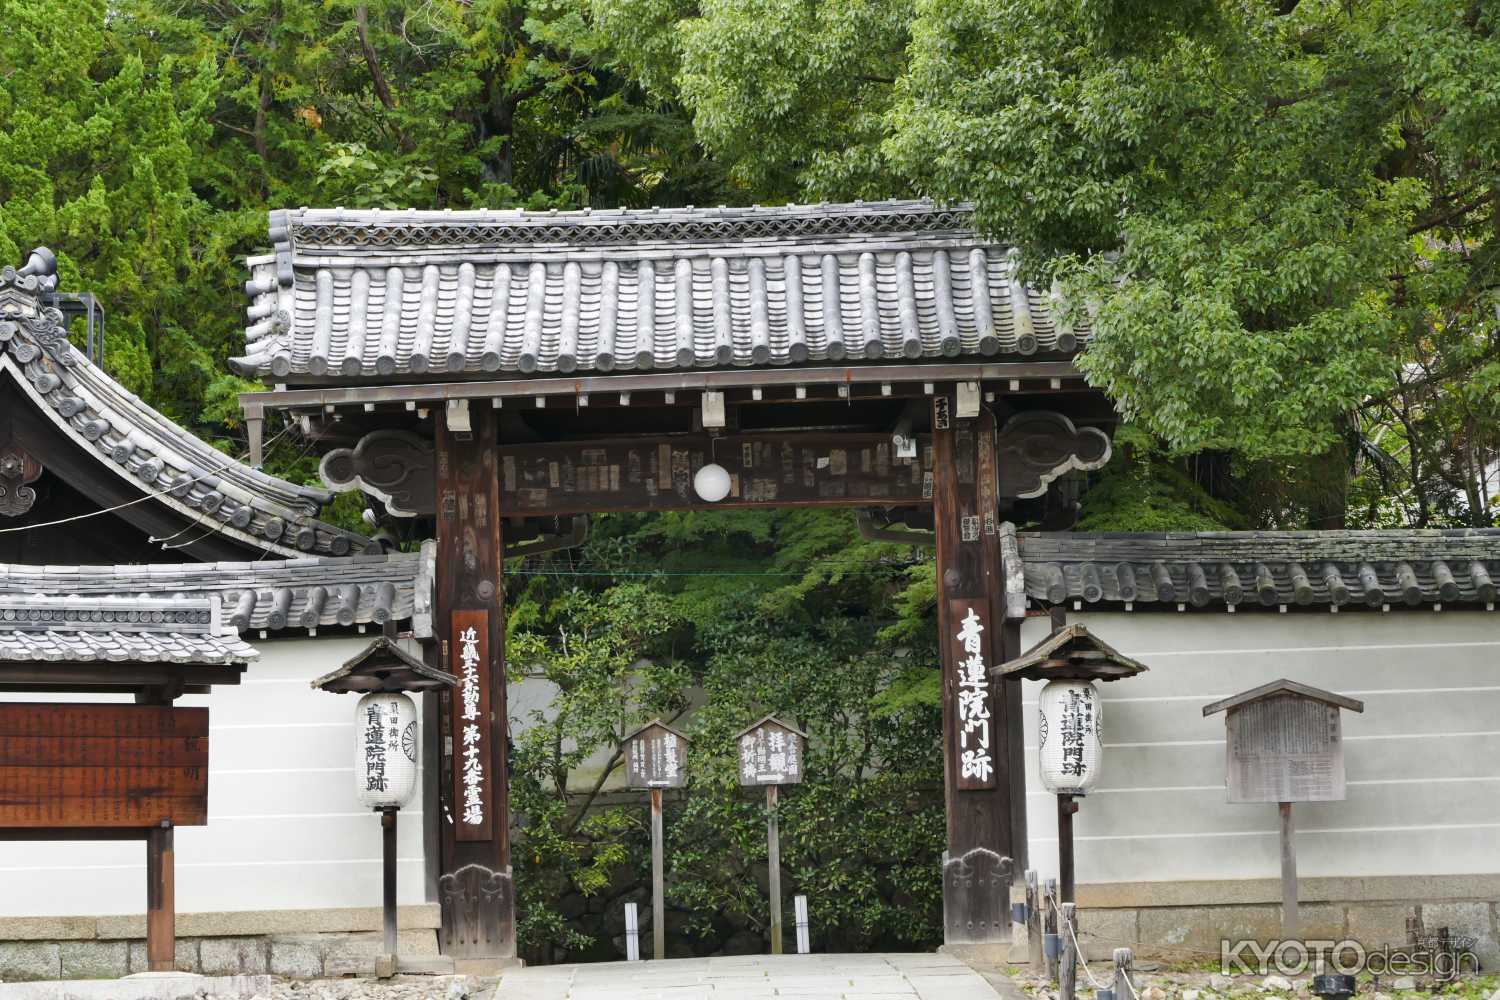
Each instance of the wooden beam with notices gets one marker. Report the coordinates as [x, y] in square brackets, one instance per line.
[765, 470]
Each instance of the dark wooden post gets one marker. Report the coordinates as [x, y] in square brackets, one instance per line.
[658, 881]
[1067, 805]
[1034, 923]
[388, 878]
[773, 861]
[1290, 926]
[475, 889]
[161, 900]
[976, 758]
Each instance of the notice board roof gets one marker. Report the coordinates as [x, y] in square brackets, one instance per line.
[1283, 687]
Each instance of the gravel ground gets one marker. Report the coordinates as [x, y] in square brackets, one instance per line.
[1154, 982]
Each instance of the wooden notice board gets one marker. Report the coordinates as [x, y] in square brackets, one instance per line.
[1285, 749]
[472, 735]
[93, 766]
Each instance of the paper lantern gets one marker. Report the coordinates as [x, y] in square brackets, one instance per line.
[385, 749]
[1069, 729]
[712, 483]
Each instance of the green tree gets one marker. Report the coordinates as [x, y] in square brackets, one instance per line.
[1278, 217]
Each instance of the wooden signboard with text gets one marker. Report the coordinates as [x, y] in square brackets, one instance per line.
[81, 766]
[471, 725]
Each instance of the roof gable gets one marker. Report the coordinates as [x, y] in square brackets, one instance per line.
[134, 444]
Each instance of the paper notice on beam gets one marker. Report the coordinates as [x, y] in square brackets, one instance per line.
[1285, 749]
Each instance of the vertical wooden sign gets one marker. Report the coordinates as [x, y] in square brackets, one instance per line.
[974, 744]
[473, 800]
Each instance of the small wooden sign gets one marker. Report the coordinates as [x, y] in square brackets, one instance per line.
[92, 766]
[1284, 743]
[1285, 749]
[656, 757]
[472, 736]
[771, 753]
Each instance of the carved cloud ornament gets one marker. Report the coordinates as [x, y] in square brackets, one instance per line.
[396, 466]
[1036, 447]
[17, 469]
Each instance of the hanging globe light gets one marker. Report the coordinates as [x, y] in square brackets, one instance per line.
[712, 482]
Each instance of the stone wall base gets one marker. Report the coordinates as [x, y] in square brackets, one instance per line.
[300, 944]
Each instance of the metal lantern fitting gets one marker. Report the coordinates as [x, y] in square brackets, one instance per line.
[385, 749]
[1070, 722]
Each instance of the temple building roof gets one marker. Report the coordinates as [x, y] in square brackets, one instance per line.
[55, 629]
[107, 442]
[360, 296]
[1272, 569]
[267, 595]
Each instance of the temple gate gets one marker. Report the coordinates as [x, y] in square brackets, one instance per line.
[492, 378]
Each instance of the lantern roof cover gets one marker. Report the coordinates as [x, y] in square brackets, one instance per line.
[1283, 687]
[773, 721]
[653, 724]
[384, 666]
[1071, 653]
[356, 297]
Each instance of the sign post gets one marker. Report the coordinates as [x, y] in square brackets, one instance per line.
[656, 758]
[1284, 744]
[771, 754]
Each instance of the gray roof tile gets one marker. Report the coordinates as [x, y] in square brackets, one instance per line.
[133, 440]
[266, 595]
[372, 295]
[1262, 568]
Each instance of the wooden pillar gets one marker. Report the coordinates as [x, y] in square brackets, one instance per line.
[979, 866]
[388, 878]
[161, 900]
[475, 888]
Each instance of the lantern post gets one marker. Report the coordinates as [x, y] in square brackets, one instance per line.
[386, 747]
[1070, 722]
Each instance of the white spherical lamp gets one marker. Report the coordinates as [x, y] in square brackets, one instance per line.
[1070, 736]
[712, 482]
[385, 749]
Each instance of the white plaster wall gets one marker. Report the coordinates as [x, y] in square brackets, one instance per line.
[1423, 761]
[284, 828]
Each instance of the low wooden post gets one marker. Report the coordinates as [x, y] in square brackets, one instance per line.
[161, 900]
[658, 882]
[1289, 922]
[1049, 927]
[773, 862]
[1067, 966]
[388, 884]
[1124, 966]
[632, 933]
[1034, 923]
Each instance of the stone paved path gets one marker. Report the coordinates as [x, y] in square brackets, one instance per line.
[754, 977]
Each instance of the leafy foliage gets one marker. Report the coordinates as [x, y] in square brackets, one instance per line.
[733, 615]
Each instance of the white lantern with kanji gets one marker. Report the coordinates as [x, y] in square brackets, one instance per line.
[385, 749]
[1070, 741]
